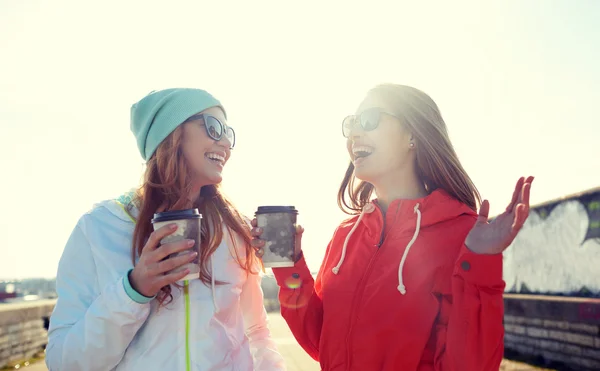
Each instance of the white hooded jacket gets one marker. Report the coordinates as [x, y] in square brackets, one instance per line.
[97, 326]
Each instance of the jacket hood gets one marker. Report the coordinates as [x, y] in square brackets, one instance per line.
[435, 208]
[123, 207]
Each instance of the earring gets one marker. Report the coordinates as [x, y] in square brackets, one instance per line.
[412, 145]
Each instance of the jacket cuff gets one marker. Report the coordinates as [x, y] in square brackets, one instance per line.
[293, 277]
[479, 269]
[134, 295]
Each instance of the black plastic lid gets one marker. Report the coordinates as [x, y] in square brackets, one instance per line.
[176, 215]
[276, 209]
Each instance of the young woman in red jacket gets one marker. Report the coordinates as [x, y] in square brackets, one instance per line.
[413, 281]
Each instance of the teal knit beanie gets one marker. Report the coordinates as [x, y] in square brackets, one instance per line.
[159, 113]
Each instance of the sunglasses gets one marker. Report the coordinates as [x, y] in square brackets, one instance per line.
[368, 120]
[215, 128]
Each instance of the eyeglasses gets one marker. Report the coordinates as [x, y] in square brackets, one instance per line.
[368, 120]
[215, 128]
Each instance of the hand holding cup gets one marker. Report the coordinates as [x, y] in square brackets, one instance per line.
[158, 265]
[277, 238]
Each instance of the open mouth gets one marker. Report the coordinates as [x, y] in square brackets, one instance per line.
[361, 152]
[215, 157]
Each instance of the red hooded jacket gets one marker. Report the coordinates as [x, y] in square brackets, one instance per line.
[400, 293]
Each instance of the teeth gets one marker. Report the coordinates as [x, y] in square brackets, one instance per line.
[365, 149]
[214, 156]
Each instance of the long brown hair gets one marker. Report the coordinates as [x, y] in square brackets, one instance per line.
[167, 186]
[437, 163]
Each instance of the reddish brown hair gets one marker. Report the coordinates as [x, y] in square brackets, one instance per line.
[167, 186]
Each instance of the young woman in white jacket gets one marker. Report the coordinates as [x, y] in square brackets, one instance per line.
[119, 305]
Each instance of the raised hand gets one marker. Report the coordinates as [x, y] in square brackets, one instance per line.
[495, 237]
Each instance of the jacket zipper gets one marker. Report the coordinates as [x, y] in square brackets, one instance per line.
[381, 237]
[383, 217]
[186, 295]
[358, 298]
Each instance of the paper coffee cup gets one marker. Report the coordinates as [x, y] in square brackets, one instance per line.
[189, 224]
[279, 233]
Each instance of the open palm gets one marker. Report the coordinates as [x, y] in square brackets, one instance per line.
[495, 237]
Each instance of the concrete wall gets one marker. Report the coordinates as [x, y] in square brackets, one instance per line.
[23, 329]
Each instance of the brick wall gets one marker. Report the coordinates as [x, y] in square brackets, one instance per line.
[559, 332]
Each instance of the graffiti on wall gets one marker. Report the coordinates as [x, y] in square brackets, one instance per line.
[558, 249]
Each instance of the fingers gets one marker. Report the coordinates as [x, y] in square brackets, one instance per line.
[171, 248]
[526, 191]
[175, 262]
[519, 193]
[173, 277]
[158, 235]
[484, 212]
[256, 231]
[254, 222]
[521, 214]
[257, 243]
[516, 195]
[299, 232]
[522, 209]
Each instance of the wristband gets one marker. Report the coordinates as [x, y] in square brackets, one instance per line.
[134, 295]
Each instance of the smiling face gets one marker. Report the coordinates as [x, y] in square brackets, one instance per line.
[407, 149]
[205, 156]
[381, 146]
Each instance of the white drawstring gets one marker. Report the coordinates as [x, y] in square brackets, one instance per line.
[369, 208]
[401, 286]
